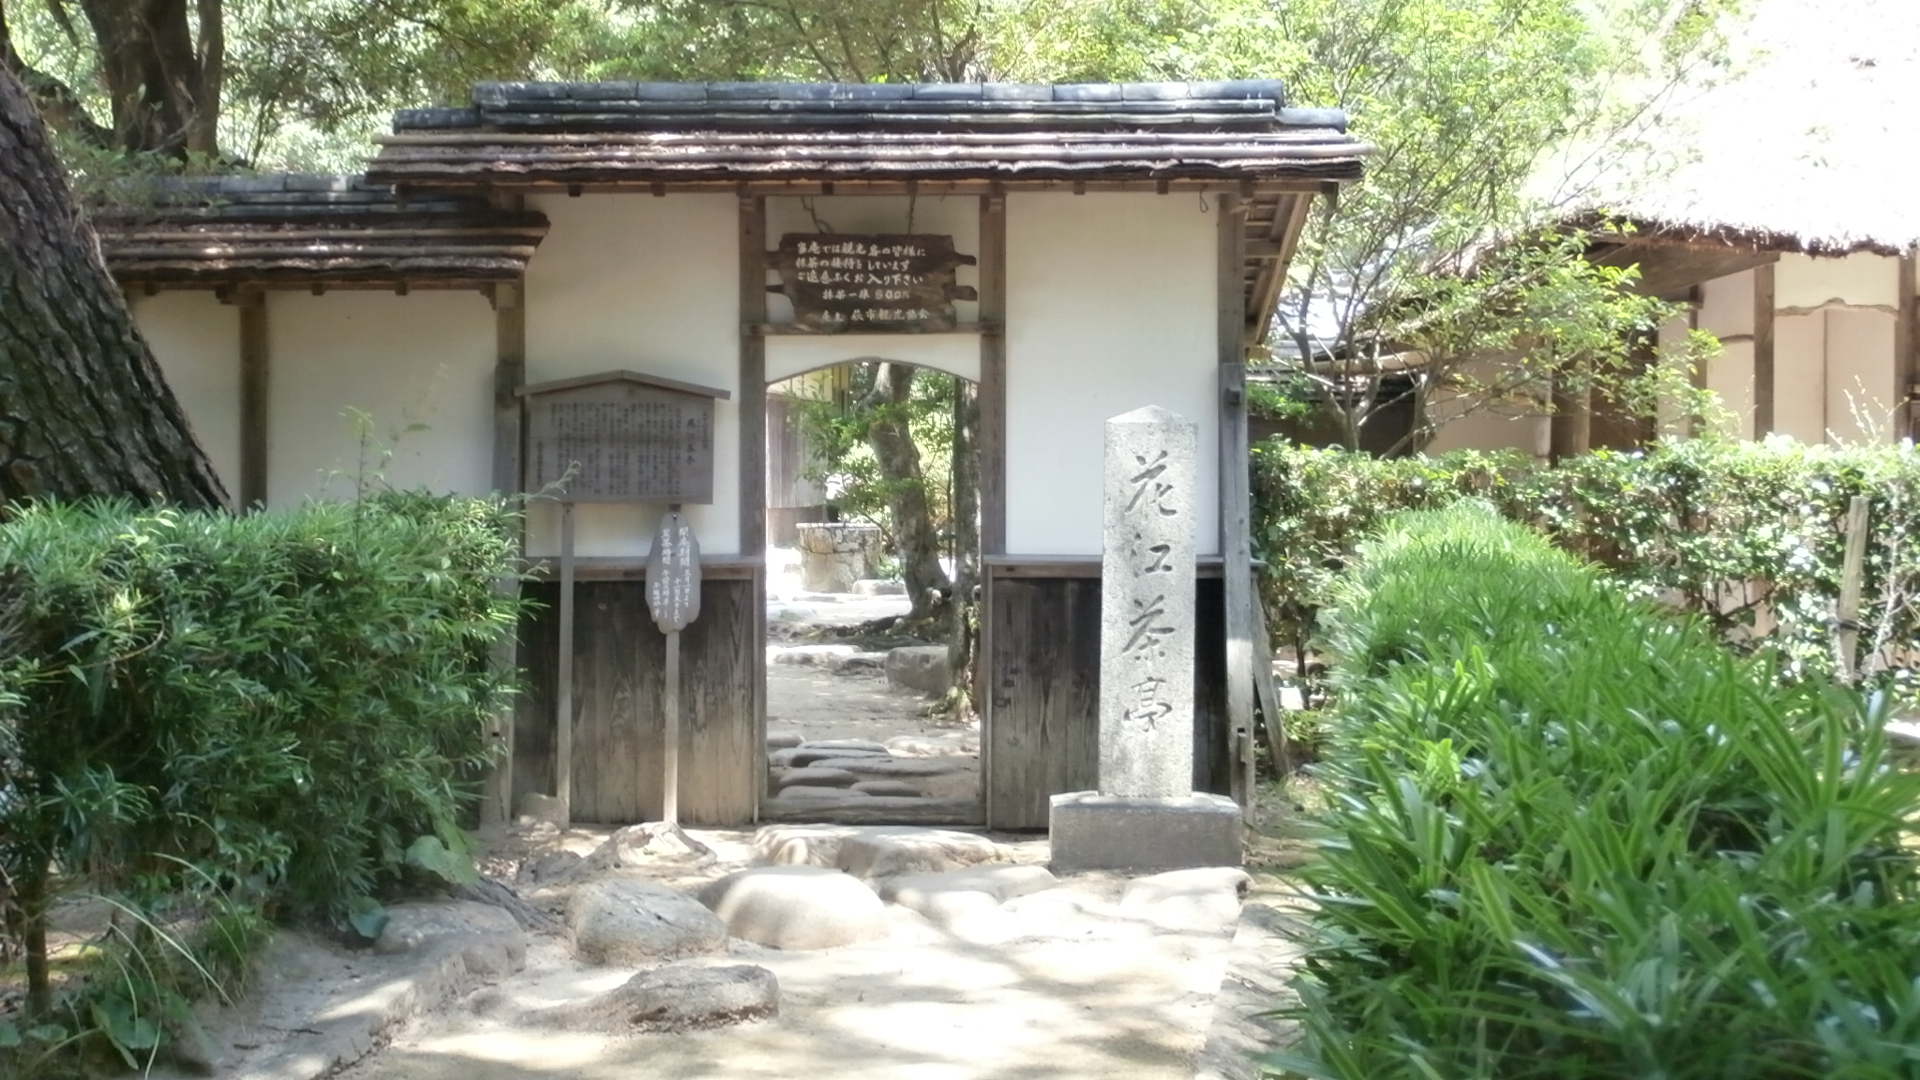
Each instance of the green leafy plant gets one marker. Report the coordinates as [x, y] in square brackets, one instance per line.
[1568, 835]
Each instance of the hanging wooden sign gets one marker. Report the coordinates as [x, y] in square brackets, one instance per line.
[896, 283]
[621, 437]
[673, 574]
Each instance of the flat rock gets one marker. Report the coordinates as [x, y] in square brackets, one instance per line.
[879, 587]
[1202, 900]
[801, 756]
[809, 791]
[535, 807]
[782, 740]
[817, 777]
[921, 668]
[889, 766]
[883, 851]
[863, 663]
[632, 921]
[887, 788]
[956, 894]
[796, 907]
[640, 845]
[489, 942]
[927, 746]
[811, 655]
[677, 997]
[867, 746]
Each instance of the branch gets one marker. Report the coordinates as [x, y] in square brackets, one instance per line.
[60, 107]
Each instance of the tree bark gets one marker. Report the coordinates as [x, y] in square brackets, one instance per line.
[915, 541]
[84, 410]
[964, 635]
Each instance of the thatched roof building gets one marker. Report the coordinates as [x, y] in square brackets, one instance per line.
[1806, 145]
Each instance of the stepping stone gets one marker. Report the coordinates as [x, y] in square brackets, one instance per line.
[813, 755]
[632, 922]
[882, 851]
[810, 791]
[796, 907]
[898, 788]
[816, 777]
[921, 668]
[783, 740]
[1203, 900]
[865, 663]
[879, 587]
[810, 655]
[677, 997]
[924, 746]
[888, 766]
[955, 894]
[863, 745]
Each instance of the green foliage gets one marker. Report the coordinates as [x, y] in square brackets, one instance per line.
[1747, 537]
[844, 464]
[1570, 836]
[212, 719]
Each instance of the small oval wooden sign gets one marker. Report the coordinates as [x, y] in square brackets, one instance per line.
[673, 575]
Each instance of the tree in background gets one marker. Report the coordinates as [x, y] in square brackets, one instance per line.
[84, 410]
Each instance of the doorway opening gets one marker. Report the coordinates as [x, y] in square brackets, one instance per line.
[873, 571]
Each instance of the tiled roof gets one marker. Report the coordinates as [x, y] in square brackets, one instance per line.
[312, 231]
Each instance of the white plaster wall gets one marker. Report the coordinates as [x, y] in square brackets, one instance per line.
[1802, 282]
[796, 354]
[196, 340]
[1860, 380]
[1726, 305]
[1730, 375]
[651, 285]
[1110, 307]
[1800, 376]
[1670, 343]
[422, 362]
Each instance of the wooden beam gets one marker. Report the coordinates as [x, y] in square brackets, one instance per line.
[509, 374]
[753, 466]
[993, 375]
[1235, 498]
[1763, 378]
[255, 370]
[1906, 365]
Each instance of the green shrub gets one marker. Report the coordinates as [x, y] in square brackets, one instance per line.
[213, 715]
[1570, 836]
[1716, 529]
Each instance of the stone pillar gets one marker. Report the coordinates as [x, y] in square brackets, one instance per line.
[1145, 814]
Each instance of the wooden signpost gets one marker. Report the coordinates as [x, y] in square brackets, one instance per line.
[621, 436]
[900, 283]
[673, 596]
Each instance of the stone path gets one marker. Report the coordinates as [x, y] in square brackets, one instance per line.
[1097, 975]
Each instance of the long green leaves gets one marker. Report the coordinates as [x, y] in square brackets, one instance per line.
[1570, 837]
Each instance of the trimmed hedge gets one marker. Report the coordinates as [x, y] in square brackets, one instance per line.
[1714, 528]
[1571, 836]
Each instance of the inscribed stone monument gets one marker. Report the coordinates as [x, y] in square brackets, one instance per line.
[1146, 814]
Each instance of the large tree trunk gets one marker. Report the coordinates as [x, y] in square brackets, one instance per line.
[163, 80]
[915, 540]
[83, 407]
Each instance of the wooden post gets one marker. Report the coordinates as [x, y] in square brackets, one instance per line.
[1906, 365]
[993, 375]
[563, 709]
[753, 456]
[670, 742]
[991, 451]
[673, 596]
[255, 371]
[1235, 498]
[1846, 614]
[509, 373]
[1763, 351]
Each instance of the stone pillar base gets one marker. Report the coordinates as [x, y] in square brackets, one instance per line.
[1091, 831]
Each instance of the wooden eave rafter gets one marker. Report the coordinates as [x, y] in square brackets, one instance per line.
[1669, 267]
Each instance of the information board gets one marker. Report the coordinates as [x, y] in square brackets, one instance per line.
[620, 440]
[882, 283]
